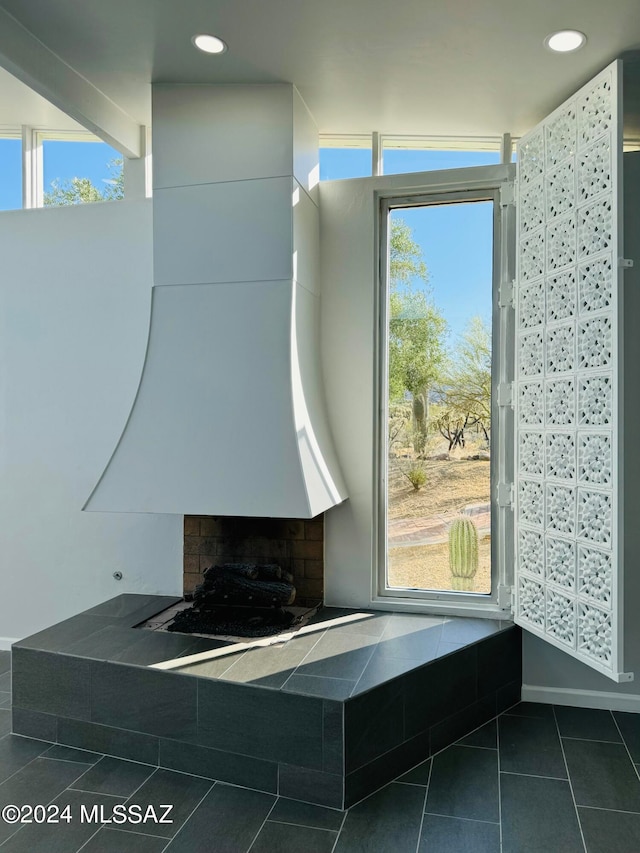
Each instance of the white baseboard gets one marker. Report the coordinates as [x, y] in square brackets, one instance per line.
[7, 642]
[581, 698]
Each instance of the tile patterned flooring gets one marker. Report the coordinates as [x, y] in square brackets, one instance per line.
[537, 778]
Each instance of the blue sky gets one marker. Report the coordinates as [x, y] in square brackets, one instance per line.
[10, 174]
[63, 160]
[455, 239]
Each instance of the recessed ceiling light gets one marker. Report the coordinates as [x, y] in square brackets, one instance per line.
[565, 41]
[209, 44]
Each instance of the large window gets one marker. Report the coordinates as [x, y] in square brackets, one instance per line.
[438, 435]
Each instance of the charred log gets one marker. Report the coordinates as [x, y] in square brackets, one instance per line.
[228, 588]
[236, 621]
[245, 570]
[269, 572]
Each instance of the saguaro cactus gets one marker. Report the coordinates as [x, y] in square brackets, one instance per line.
[463, 553]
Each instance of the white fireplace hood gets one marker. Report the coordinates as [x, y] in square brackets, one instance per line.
[229, 417]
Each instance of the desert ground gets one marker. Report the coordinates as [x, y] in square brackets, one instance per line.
[454, 486]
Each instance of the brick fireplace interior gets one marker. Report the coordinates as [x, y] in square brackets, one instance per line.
[295, 544]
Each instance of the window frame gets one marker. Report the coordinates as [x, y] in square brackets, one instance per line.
[376, 141]
[39, 137]
[32, 156]
[405, 142]
[498, 602]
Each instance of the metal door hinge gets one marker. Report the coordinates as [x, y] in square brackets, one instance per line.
[506, 494]
[507, 194]
[505, 597]
[507, 297]
[505, 394]
[625, 263]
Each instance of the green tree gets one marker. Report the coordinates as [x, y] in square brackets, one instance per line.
[82, 191]
[417, 329]
[405, 257]
[466, 392]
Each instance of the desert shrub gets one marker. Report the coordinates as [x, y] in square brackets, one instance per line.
[416, 476]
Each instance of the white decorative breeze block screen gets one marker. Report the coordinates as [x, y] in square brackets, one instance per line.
[566, 503]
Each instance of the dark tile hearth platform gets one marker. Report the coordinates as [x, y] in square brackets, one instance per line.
[461, 799]
[337, 712]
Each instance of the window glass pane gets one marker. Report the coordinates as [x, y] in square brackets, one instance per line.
[401, 160]
[10, 174]
[77, 172]
[344, 163]
[438, 477]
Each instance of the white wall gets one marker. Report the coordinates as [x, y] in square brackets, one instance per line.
[348, 262]
[75, 292]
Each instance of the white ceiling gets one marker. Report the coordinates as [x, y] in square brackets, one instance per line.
[402, 66]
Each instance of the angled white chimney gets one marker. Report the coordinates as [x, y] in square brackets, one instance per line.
[229, 416]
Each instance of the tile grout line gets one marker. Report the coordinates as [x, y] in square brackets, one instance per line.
[396, 780]
[534, 776]
[133, 832]
[64, 790]
[97, 793]
[104, 754]
[303, 825]
[144, 782]
[376, 646]
[262, 826]
[71, 761]
[321, 634]
[591, 740]
[424, 807]
[458, 817]
[311, 675]
[57, 742]
[566, 765]
[335, 843]
[602, 809]
[186, 821]
[457, 743]
[89, 839]
[499, 781]
[615, 722]
[20, 769]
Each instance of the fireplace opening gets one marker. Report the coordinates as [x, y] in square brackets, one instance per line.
[248, 577]
[296, 545]
[242, 600]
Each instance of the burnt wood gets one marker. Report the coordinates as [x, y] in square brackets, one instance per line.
[270, 572]
[230, 588]
[245, 570]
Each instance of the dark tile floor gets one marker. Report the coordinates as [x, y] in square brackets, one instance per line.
[538, 778]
